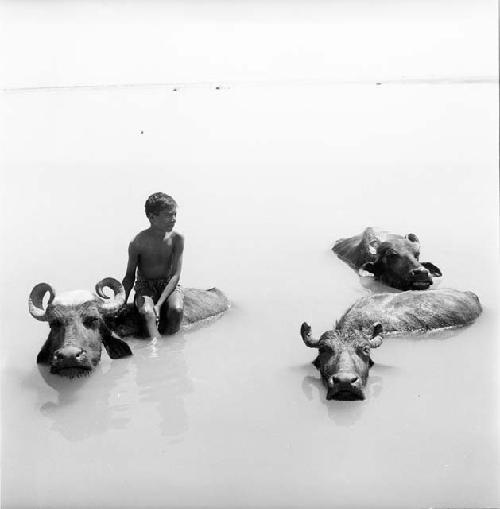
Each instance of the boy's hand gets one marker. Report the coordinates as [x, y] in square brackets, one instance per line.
[156, 309]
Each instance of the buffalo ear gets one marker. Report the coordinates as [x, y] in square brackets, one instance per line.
[377, 329]
[115, 346]
[434, 271]
[316, 363]
[368, 267]
[43, 356]
[376, 339]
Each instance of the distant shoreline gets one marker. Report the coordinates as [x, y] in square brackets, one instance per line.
[224, 85]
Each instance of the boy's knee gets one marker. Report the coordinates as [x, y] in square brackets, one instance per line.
[173, 322]
[146, 309]
[178, 308]
[176, 313]
[148, 316]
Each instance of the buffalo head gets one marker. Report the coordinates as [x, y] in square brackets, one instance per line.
[77, 327]
[344, 360]
[395, 263]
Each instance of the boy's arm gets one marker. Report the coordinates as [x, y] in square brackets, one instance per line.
[133, 260]
[174, 280]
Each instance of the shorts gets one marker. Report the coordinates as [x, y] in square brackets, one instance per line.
[153, 288]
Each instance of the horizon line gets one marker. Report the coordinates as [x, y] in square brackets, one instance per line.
[222, 84]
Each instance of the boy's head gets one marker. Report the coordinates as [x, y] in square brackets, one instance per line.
[161, 210]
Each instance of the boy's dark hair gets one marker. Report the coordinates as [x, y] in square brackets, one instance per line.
[158, 202]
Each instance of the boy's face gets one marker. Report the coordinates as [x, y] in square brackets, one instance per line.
[164, 220]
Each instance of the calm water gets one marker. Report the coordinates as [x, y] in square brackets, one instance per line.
[234, 414]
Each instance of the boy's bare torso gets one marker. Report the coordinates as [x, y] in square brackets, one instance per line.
[156, 254]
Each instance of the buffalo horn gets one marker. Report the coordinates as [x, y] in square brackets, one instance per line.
[119, 298]
[36, 300]
[305, 332]
[412, 238]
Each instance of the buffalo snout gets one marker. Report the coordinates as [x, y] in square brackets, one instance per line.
[345, 378]
[69, 353]
[419, 272]
[345, 386]
[70, 358]
[420, 278]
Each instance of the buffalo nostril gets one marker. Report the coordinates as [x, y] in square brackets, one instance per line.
[68, 353]
[81, 354]
[344, 379]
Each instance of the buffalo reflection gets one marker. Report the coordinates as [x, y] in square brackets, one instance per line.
[343, 413]
[163, 381]
[86, 407]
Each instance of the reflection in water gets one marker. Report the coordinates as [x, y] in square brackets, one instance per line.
[96, 414]
[344, 413]
[163, 380]
[158, 371]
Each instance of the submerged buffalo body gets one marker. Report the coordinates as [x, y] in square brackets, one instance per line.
[393, 259]
[81, 323]
[199, 305]
[412, 311]
[344, 353]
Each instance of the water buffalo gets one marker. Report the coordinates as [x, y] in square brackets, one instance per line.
[344, 352]
[343, 360]
[82, 322]
[391, 258]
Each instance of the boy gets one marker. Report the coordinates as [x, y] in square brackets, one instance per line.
[156, 255]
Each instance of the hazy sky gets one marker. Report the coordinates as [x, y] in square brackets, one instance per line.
[56, 43]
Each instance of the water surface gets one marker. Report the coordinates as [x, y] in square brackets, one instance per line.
[266, 178]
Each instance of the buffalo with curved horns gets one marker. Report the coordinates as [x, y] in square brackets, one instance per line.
[391, 258]
[81, 322]
[343, 359]
[344, 353]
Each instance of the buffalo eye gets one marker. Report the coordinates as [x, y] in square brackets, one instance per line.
[327, 349]
[55, 324]
[90, 322]
[392, 256]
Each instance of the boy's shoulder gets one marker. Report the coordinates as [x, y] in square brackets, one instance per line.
[177, 240]
[140, 238]
[177, 237]
[145, 235]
